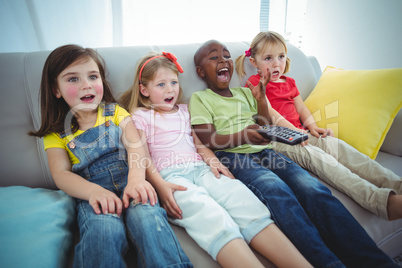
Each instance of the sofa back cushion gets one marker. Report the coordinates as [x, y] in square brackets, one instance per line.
[24, 160]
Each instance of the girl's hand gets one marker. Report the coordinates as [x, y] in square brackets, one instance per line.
[259, 90]
[217, 168]
[251, 136]
[108, 201]
[140, 192]
[167, 200]
[304, 143]
[321, 132]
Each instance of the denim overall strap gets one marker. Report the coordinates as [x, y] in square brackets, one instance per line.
[108, 109]
[97, 143]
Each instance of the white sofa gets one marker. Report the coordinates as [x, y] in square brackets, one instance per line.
[24, 162]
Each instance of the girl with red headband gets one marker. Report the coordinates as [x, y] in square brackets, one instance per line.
[197, 191]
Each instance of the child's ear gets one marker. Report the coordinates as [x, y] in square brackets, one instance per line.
[200, 71]
[144, 90]
[252, 61]
[56, 92]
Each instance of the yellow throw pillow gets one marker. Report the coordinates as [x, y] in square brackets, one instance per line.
[359, 105]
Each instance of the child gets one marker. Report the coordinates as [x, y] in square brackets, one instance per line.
[83, 130]
[364, 180]
[220, 221]
[305, 210]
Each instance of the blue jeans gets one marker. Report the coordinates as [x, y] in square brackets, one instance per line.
[103, 240]
[305, 210]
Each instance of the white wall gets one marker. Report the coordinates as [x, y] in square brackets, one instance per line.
[46, 24]
[354, 34]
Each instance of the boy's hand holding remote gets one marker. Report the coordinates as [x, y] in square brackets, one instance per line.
[252, 136]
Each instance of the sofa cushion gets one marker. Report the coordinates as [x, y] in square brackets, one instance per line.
[386, 234]
[359, 105]
[36, 227]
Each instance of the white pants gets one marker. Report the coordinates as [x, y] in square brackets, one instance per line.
[215, 211]
[346, 169]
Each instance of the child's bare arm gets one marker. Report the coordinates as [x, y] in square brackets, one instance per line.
[308, 121]
[101, 200]
[137, 187]
[262, 102]
[165, 192]
[164, 189]
[279, 120]
[209, 157]
[210, 138]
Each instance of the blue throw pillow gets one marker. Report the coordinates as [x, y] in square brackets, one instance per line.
[36, 227]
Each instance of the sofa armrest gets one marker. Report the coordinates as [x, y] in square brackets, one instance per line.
[393, 143]
[316, 66]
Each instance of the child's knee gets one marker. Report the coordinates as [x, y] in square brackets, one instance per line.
[145, 214]
[108, 227]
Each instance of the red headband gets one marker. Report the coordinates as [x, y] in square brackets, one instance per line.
[168, 55]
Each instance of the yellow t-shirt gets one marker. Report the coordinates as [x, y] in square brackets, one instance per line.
[54, 140]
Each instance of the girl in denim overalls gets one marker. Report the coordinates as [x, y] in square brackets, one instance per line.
[84, 132]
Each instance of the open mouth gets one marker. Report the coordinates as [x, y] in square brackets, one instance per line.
[169, 100]
[275, 73]
[223, 74]
[87, 98]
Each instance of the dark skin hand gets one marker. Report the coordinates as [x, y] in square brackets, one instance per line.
[258, 91]
[208, 136]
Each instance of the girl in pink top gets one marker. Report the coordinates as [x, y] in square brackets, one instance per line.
[220, 213]
[374, 187]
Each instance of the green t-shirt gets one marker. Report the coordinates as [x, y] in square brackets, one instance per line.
[228, 114]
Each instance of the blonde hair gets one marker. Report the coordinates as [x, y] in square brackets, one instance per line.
[133, 98]
[260, 42]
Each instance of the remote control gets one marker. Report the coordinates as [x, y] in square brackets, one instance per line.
[282, 134]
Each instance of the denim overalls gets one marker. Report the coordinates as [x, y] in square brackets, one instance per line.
[103, 240]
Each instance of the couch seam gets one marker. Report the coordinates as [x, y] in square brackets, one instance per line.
[388, 238]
